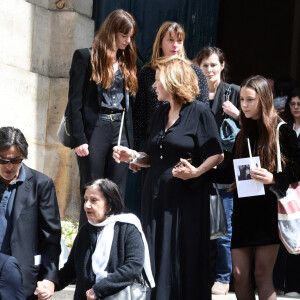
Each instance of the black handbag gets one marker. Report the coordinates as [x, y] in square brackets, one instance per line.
[218, 221]
[63, 132]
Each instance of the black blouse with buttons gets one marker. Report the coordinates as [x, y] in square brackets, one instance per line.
[113, 96]
[175, 211]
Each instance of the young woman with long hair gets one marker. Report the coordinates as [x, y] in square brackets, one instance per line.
[255, 239]
[101, 82]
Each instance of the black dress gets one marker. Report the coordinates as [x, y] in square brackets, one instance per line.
[254, 219]
[175, 213]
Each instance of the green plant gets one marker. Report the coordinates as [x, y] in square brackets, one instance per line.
[69, 231]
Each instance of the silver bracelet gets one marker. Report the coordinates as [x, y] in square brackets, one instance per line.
[137, 156]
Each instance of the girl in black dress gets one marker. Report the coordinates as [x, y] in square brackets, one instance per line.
[175, 198]
[255, 239]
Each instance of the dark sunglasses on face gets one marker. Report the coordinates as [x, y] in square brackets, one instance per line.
[14, 161]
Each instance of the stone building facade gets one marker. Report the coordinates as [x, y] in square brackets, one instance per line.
[38, 38]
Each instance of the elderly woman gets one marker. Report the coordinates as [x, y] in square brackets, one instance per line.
[175, 199]
[110, 251]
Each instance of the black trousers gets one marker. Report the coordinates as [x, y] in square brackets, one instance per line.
[100, 163]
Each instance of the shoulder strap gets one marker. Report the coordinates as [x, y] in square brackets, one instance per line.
[279, 165]
[228, 92]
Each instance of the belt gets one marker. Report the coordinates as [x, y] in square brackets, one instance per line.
[110, 117]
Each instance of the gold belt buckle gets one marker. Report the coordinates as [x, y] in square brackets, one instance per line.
[110, 116]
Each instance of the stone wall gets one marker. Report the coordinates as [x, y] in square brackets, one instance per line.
[38, 38]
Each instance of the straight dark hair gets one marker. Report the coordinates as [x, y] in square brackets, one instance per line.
[286, 114]
[111, 193]
[102, 55]
[10, 136]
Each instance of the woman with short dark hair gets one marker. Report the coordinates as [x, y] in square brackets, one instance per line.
[224, 100]
[110, 250]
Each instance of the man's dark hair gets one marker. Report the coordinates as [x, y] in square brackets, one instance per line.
[111, 193]
[10, 136]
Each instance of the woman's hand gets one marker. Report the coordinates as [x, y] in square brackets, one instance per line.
[90, 295]
[82, 150]
[262, 175]
[185, 170]
[134, 168]
[230, 110]
[122, 153]
[44, 289]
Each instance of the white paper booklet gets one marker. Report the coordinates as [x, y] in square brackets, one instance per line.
[247, 187]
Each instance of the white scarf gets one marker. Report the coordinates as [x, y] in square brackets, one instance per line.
[104, 242]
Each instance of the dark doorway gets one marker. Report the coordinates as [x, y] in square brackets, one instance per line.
[259, 37]
[199, 18]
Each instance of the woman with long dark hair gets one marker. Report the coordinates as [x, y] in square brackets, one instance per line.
[255, 239]
[101, 83]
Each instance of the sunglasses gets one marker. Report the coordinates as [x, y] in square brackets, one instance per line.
[14, 161]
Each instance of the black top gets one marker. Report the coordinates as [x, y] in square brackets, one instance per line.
[125, 263]
[254, 219]
[175, 212]
[146, 101]
[216, 104]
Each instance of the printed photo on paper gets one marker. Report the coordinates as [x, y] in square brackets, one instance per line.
[247, 187]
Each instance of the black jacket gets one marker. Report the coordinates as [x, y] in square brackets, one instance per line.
[125, 262]
[83, 104]
[36, 229]
[234, 98]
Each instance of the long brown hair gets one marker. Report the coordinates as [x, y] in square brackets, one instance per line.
[267, 123]
[166, 28]
[103, 55]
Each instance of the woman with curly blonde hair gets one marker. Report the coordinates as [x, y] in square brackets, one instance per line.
[182, 145]
[101, 82]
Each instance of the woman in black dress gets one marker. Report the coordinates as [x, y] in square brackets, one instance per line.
[101, 83]
[255, 239]
[168, 42]
[175, 198]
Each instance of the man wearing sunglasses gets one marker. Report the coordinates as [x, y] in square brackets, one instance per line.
[29, 217]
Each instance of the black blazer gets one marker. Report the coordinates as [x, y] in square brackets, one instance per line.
[36, 229]
[83, 104]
